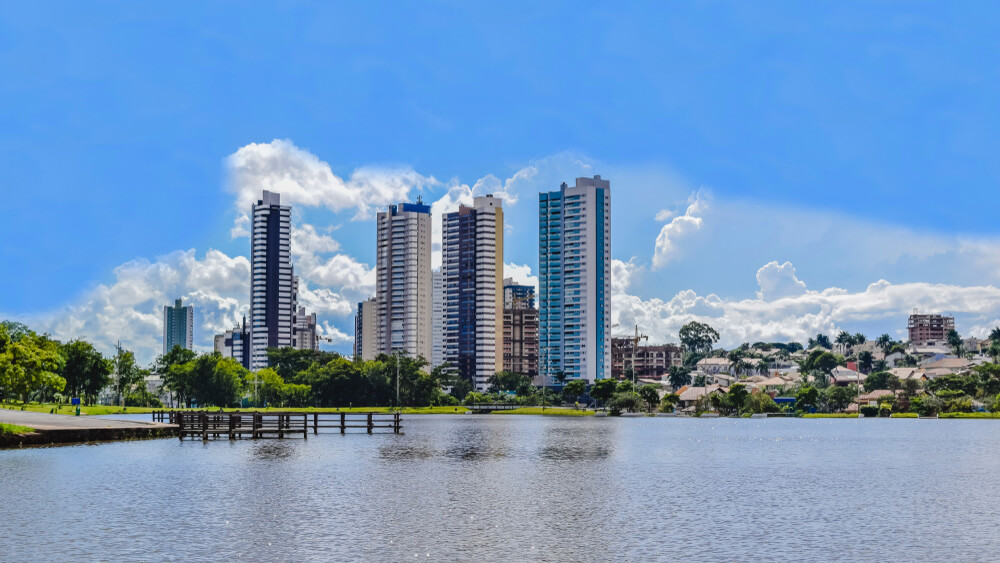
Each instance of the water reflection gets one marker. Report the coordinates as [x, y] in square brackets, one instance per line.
[518, 488]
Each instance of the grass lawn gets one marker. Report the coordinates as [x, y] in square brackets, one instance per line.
[549, 411]
[14, 429]
[969, 415]
[904, 415]
[70, 409]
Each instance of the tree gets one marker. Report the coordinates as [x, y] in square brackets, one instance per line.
[859, 339]
[881, 380]
[911, 387]
[215, 381]
[763, 366]
[820, 360]
[172, 377]
[865, 360]
[572, 391]
[86, 371]
[760, 403]
[698, 337]
[507, 381]
[995, 334]
[30, 364]
[625, 386]
[884, 342]
[838, 398]
[994, 350]
[679, 376]
[880, 365]
[821, 340]
[845, 339]
[603, 390]
[955, 341]
[731, 402]
[289, 362]
[668, 402]
[650, 395]
[806, 397]
[628, 402]
[560, 376]
[126, 374]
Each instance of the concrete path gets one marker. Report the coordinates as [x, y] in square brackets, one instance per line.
[46, 421]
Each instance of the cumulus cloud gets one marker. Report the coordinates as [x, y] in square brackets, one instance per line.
[667, 242]
[786, 310]
[130, 308]
[778, 280]
[521, 274]
[302, 178]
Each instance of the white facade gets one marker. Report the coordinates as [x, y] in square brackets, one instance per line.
[437, 320]
[272, 291]
[574, 273]
[365, 328]
[472, 268]
[403, 280]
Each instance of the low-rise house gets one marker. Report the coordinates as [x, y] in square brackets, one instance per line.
[843, 376]
[690, 395]
[712, 366]
[903, 374]
[954, 364]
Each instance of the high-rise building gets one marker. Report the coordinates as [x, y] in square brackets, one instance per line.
[574, 261]
[520, 329]
[924, 329]
[304, 333]
[365, 330]
[272, 285]
[437, 319]
[403, 280]
[235, 344]
[178, 326]
[472, 267]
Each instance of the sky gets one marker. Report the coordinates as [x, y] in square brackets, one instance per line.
[777, 169]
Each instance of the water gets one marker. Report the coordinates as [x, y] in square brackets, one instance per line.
[521, 488]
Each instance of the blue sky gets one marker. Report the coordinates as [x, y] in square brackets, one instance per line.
[855, 141]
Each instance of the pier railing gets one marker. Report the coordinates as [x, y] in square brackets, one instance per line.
[273, 424]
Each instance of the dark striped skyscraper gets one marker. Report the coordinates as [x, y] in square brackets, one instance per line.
[472, 271]
[272, 281]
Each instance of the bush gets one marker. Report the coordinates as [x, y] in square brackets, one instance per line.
[885, 410]
[760, 403]
[628, 402]
[869, 411]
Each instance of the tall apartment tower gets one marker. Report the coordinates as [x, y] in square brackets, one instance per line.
[178, 326]
[929, 328]
[272, 285]
[472, 267]
[403, 280]
[520, 329]
[437, 318]
[365, 330]
[574, 266]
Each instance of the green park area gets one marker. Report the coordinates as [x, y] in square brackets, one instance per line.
[14, 429]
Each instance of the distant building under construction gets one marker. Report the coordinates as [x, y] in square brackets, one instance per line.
[925, 329]
[651, 362]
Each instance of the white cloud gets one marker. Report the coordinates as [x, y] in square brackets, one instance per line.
[785, 310]
[521, 274]
[302, 178]
[130, 308]
[664, 215]
[778, 280]
[666, 248]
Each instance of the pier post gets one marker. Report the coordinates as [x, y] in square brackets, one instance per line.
[369, 423]
[315, 423]
[396, 421]
[343, 422]
[204, 426]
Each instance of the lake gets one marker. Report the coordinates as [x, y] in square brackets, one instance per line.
[521, 488]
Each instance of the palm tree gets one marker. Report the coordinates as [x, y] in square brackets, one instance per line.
[844, 339]
[995, 334]
[763, 366]
[884, 342]
[955, 341]
[859, 339]
[994, 349]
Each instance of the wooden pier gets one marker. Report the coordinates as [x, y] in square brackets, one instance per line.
[233, 425]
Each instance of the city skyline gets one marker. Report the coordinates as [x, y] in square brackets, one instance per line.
[774, 184]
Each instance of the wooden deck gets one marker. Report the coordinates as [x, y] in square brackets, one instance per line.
[207, 425]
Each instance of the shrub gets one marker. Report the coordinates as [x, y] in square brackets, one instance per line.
[619, 402]
[868, 411]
